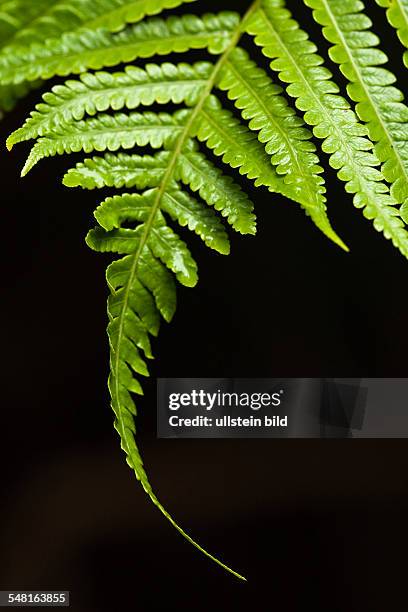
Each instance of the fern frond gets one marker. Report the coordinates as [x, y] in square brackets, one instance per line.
[101, 91]
[239, 148]
[230, 139]
[109, 132]
[282, 132]
[179, 184]
[294, 57]
[135, 225]
[160, 238]
[193, 169]
[181, 207]
[397, 15]
[379, 103]
[218, 128]
[74, 53]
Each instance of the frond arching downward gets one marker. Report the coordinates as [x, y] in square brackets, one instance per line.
[142, 289]
[175, 180]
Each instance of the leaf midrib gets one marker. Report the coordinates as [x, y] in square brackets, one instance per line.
[235, 37]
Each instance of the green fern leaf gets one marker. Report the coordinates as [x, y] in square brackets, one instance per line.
[397, 15]
[39, 20]
[216, 189]
[177, 204]
[129, 302]
[271, 145]
[219, 130]
[193, 169]
[240, 148]
[163, 242]
[101, 91]
[107, 132]
[379, 103]
[74, 53]
[134, 282]
[183, 208]
[232, 141]
[286, 139]
[294, 57]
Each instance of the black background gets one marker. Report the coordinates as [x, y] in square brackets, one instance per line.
[310, 523]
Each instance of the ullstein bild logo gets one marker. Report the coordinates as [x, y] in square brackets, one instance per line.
[228, 421]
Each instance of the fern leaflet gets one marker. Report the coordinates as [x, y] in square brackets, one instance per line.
[344, 138]
[102, 91]
[287, 140]
[379, 103]
[74, 53]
